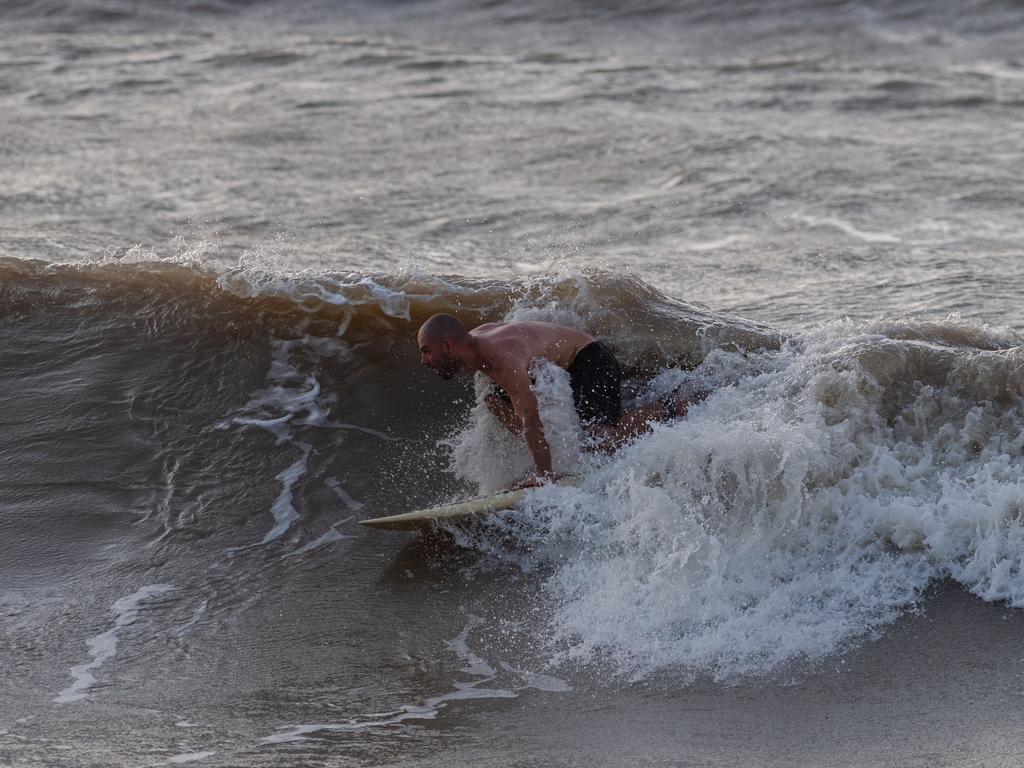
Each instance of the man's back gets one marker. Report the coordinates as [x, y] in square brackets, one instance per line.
[508, 346]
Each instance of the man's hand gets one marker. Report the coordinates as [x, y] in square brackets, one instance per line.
[535, 482]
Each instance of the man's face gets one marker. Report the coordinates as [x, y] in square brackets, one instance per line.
[439, 358]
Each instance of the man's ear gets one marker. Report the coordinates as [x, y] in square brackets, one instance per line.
[447, 345]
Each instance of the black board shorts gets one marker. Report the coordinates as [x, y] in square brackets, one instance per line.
[596, 381]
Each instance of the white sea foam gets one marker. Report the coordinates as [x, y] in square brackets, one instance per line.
[283, 509]
[259, 274]
[729, 241]
[473, 665]
[290, 393]
[354, 504]
[802, 506]
[538, 680]
[189, 757]
[290, 397]
[848, 229]
[330, 536]
[103, 647]
[197, 614]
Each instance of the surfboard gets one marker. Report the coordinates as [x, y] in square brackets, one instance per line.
[462, 510]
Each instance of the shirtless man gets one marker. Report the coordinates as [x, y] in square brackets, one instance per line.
[505, 352]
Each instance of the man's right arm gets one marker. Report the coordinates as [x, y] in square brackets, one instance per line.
[525, 404]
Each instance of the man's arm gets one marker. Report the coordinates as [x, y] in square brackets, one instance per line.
[525, 404]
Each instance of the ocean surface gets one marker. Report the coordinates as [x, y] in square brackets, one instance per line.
[221, 224]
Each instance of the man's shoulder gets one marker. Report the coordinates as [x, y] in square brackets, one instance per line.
[502, 346]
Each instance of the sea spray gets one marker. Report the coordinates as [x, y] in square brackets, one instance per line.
[487, 437]
[799, 508]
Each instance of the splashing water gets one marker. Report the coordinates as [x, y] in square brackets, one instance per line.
[802, 506]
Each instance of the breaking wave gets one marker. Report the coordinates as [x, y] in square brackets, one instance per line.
[828, 480]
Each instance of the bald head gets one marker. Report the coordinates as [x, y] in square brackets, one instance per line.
[441, 328]
[443, 341]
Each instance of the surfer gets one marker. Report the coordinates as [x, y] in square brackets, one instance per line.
[505, 351]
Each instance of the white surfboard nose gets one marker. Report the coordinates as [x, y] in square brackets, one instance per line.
[479, 505]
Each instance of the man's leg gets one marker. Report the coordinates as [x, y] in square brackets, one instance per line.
[609, 437]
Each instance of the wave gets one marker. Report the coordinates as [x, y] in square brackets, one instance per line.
[648, 329]
[807, 503]
[829, 479]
